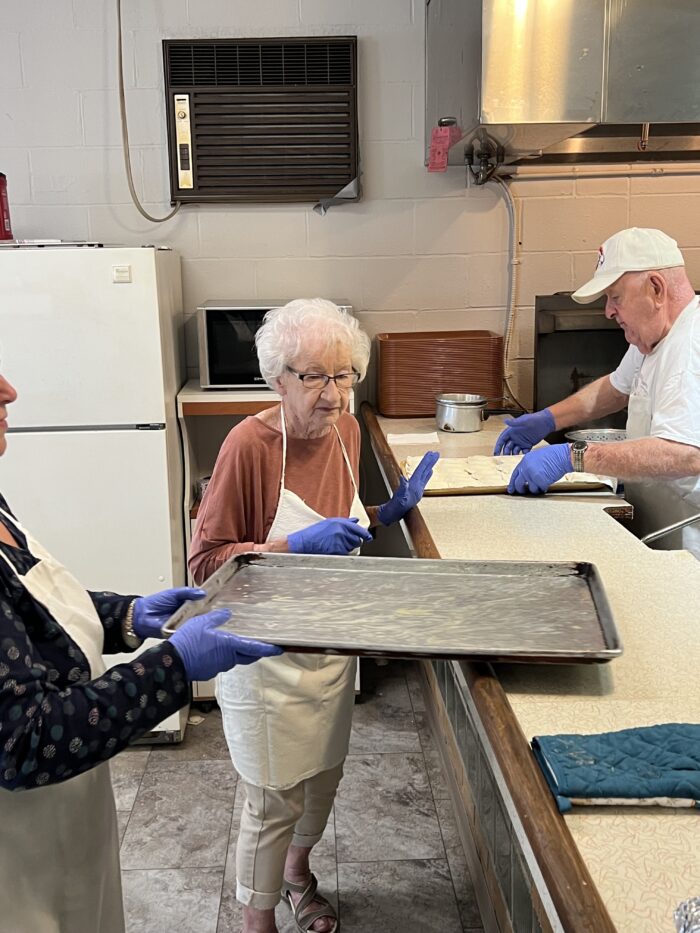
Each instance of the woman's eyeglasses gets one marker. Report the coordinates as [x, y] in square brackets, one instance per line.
[343, 381]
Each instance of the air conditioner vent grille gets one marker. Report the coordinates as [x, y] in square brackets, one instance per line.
[269, 120]
[259, 64]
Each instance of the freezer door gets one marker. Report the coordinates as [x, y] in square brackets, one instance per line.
[98, 501]
[81, 348]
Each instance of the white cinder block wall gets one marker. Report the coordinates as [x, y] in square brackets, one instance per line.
[418, 252]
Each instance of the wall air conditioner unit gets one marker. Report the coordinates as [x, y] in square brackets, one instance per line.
[261, 119]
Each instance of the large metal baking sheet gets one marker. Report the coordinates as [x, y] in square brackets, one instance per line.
[402, 607]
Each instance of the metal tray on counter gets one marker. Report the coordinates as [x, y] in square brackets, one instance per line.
[403, 607]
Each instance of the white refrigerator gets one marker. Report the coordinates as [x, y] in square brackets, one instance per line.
[91, 338]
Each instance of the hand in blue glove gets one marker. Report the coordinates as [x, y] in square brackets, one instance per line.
[524, 432]
[409, 491]
[152, 612]
[330, 536]
[207, 651]
[540, 468]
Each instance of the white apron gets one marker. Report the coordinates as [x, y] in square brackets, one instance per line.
[59, 844]
[289, 718]
[639, 416]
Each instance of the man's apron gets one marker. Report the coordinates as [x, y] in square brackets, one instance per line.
[59, 844]
[288, 718]
[639, 417]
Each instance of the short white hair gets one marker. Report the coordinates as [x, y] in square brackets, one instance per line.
[286, 330]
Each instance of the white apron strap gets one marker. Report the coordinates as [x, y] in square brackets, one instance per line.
[55, 588]
[347, 460]
[284, 448]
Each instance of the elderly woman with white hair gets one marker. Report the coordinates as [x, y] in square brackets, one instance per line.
[286, 480]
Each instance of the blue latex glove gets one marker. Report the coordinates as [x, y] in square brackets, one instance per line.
[330, 536]
[539, 469]
[409, 491]
[207, 651]
[524, 432]
[152, 612]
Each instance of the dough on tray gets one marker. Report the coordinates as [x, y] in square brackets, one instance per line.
[481, 473]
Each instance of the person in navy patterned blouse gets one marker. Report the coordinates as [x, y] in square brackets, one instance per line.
[62, 716]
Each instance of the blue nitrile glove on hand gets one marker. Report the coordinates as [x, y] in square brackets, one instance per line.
[539, 469]
[409, 491]
[207, 651]
[152, 612]
[330, 536]
[524, 432]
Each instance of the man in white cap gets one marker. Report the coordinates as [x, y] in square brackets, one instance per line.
[641, 272]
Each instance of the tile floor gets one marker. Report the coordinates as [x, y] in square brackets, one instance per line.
[391, 857]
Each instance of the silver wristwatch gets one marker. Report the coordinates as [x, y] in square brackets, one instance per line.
[578, 450]
[130, 637]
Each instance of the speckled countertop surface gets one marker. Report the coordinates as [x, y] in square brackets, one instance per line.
[644, 861]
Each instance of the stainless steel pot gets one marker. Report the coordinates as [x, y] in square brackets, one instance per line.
[460, 413]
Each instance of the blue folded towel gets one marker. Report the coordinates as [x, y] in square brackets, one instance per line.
[644, 766]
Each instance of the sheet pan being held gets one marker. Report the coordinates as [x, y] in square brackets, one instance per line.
[398, 607]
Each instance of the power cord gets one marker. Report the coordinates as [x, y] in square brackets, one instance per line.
[513, 263]
[125, 131]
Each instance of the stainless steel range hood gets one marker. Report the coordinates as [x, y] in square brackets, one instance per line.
[523, 77]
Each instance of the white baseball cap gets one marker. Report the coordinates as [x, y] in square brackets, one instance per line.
[636, 249]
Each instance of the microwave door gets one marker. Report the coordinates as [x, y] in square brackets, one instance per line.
[228, 357]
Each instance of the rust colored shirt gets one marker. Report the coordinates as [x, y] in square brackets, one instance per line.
[239, 505]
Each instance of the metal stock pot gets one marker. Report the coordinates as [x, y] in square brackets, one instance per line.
[460, 413]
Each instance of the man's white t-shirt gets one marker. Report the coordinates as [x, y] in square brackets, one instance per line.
[669, 377]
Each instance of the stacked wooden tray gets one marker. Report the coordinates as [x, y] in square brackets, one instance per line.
[415, 367]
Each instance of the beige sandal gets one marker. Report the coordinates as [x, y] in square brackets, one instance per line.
[303, 917]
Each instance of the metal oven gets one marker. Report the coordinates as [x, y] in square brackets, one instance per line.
[574, 345]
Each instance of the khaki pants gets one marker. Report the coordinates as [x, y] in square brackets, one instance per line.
[271, 821]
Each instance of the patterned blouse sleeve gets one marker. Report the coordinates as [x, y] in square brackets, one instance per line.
[112, 609]
[56, 725]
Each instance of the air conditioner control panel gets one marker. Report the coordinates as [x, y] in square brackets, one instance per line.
[181, 105]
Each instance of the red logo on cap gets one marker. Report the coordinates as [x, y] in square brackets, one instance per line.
[601, 258]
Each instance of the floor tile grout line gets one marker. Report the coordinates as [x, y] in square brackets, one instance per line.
[449, 867]
[335, 851]
[442, 835]
[177, 868]
[437, 814]
[228, 847]
[383, 861]
[131, 808]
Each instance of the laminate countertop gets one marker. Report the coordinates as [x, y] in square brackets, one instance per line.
[644, 861]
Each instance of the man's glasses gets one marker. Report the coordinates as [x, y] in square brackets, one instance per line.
[343, 381]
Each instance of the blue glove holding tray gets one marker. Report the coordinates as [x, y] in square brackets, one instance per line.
[152, 612]
[206, 651]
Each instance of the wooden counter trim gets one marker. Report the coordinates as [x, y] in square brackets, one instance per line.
[622, 513]
[575, 897]
[417, 529]
[225, 408]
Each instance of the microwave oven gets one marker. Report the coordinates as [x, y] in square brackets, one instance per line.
[226, 331]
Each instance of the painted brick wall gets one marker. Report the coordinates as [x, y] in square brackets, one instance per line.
[419, 252]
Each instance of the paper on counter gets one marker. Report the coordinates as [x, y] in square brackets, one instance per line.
[427, 439]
